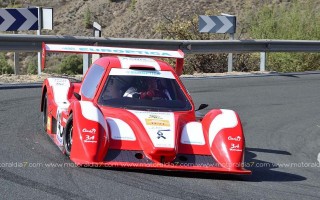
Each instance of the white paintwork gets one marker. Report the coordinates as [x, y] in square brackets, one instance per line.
[126, 62]
[192, 133]
[167, 130]
[60, 87]
[148, 73]
[227, 119]
[90, 112]
[113, 50]
[59, 126]
[120, 130]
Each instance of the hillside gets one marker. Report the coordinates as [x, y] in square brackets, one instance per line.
[256, 19]
[132, 18]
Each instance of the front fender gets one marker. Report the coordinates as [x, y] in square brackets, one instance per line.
[44, 91]
[224, 135]
[90, 139]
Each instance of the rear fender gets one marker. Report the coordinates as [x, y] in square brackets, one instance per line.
[224, 135]
[90, 139]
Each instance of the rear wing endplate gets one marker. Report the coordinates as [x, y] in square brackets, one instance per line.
[80, 49]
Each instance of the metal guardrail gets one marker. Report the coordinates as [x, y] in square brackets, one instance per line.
[32, 43]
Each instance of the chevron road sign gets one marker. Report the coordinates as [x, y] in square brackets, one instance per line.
[217, 24]
[19, 19]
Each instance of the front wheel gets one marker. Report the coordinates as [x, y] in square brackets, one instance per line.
[67, 136]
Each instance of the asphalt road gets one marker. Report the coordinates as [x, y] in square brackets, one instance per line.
[281, 120]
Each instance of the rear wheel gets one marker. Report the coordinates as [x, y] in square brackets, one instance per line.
[67, 136]
[45, 112]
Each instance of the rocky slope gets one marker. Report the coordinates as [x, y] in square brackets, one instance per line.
[132, 18]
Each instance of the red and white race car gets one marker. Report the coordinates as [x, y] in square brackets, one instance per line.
[133, 111]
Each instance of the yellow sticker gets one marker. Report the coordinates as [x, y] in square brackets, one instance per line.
[157, 122]
[49, 124]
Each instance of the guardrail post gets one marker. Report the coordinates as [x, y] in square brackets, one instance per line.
[16, 60]
[86, 63]
[230, 59]
[96, 33]
[16, 63]
[88, 59]
[262, 61]
[39, 33]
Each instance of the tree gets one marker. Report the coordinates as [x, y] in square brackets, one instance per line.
[71, 65]
[5, 68]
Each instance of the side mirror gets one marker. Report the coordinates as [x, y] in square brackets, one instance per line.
[202, 106]
[78, 96]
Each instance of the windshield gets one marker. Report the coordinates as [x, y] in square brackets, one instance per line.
[143, 90]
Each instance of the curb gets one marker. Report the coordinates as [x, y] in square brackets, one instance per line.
[19, 85]
[4, 86]
[289, 74]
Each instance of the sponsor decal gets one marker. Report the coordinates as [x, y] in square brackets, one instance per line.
[140, 72]
[90, 139]
[160, 134]
[235, 147]
[157, 122]
[238, 138]
[59, 82]
[118, 51]
[68, 48]
[49, 124]
[159, 126]
[93, 130]
[148, 73]
[125, 51]
[114, 50]
[154, 116]
[136, 59]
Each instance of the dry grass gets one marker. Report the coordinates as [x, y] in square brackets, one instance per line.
[134, 18]
[10, 78]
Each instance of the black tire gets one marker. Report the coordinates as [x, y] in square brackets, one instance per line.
[45, 112]
[67, 136]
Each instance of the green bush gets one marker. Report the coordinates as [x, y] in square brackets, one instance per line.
[298, 20]
[32, 66]
[87, 18]
[71, 65]
[133, 5]
[5, 68]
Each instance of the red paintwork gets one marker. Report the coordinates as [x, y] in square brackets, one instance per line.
[93, 153]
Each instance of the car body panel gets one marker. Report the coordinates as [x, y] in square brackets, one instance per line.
[155, 138]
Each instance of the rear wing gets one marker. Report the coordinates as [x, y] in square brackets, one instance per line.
[80, 49]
